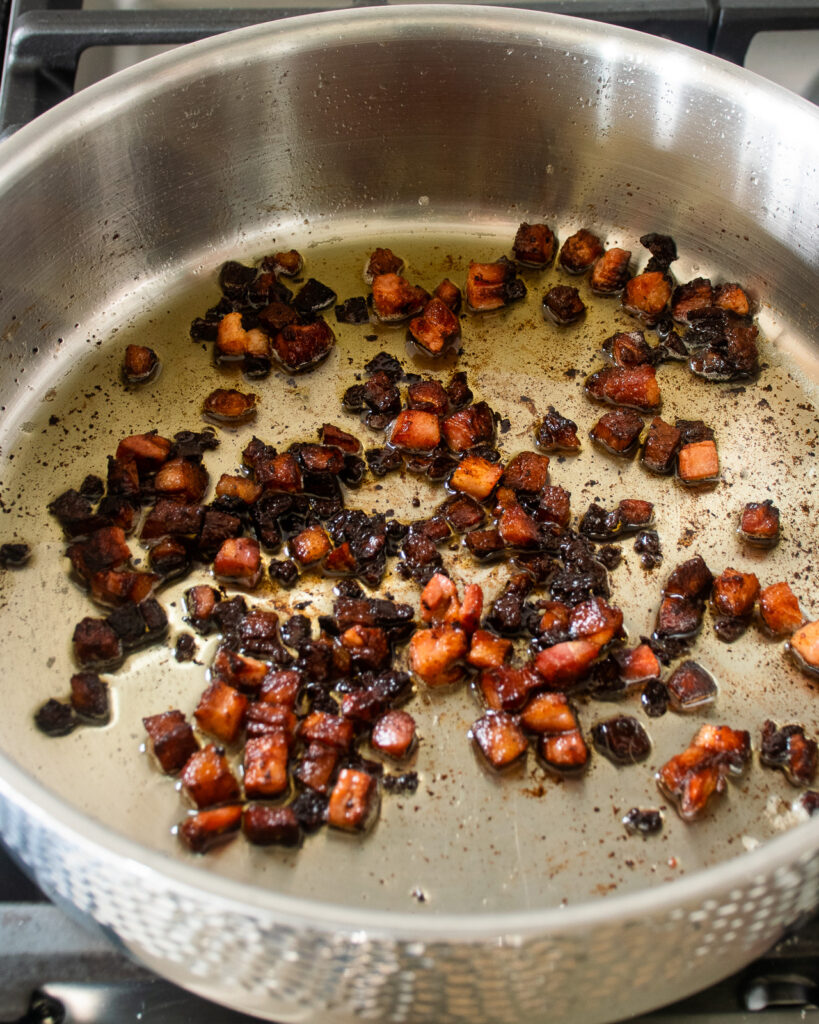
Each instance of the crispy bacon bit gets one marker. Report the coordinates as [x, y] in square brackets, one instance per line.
[436, 327]
[789, 749]
[499, 738]
[556, 433]
[638, 665]
[470, 427]
[239, 562]
[628, 349]
[734, 593]
[611, 271]
[450, 294]
[311, 545]
[476, 477]
[487, 650]
[595, 620]
[265, 765]
[698, 463]
[660, 450]
[690, 687]
[580, 251]
[733, 298]
[394, 734]
[301, 346]
[566, 664]
[229, 406]
[646, 296]
[368, 646]
[354, 801]
[221, 711]
[691, 777]
[554, 622]
[182, 480]
[696, 294]
[169, 518]
[149, 450]
[288, 264]
[563, 305]
[553, 506]
[804, 647]
[462, 513]
[534, 245]
[394, 298]
[635, 388]
[621, 739]
[618, 431]
[96, 644]
[207, 778]
[435, 654]
[202, 831]
[492, 285]
[779, 608]
[692, 579]
[312, 297]
[382, 261]
[565, 753]
[264, 825]
[169, 558]
[759, 524]
[416, 430]
[140, 364]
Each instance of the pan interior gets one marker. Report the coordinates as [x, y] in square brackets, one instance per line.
[467, 840]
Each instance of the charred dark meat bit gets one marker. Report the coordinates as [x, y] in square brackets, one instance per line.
[235, 278]
[534, 245]
[273, 318]
[698, 463]
[635, 387]
[75, 514]
[691, 687]
[779, 608]
[803, 647]
[354, 801]
[563, 305]
[621, 739]
[655, 698]
[353, 311]
[581, 577]
[302, 346]
[611, 271]
[628, 349]
[618, 432]
[382, 261]
[725, 345]
[458, 392]
[661, 445]
[553, 506]
[428, 395]
[462, 513]
[185, 649]
[55, 718]
[683, 602]
[759, 523]
[789, 749]
[406, 782]
[493, 285]
[104, 549]
[96, 645]
[648, 546]
[171, 740]
[436, 328]
[140, 364]
[643, 822]
[89, 697]
[485, 544]
[556, 433]
[663, 250]
[696, 294]
[202, 831]
[499, 738]
[264, 825]
[217, 528]
[312, 298]
[580, 251]
[229, 406]
[690, 778]
[338, 438]
[647, 295]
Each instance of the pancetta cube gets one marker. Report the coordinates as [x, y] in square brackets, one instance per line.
[171, 740]
[548, 713]
[565, 753]
[499, 738]
[553, 506]
[317, 766]
[507, 687]
[611, 271]
[647, 295]
[368, 646]
[556, 433]
[393, 734]
[595, 620]
[96, 644]
[238, 670]
[221, 711]
[435, 655]
[691, 687]
[428, 396]
[618, 432]
[804, 647]
[635, 387]
[638, 665]
[182, 480]
[264, 825]
[435, 328]
[526, 473]
[239, 562]
[485, 544]
[279, 473]
[394, 298]
[518, 529]
[265, 765]
[382, 261]
[476, 476]
[242, 488]
[416, 431]
[300, 346]
[207, 778]
[698, 463]
[281, 687]
[311, 545]
[564, 665]
[580, 251]
[789, 748]
[331, 730]
[535, 245]
[779, 608]
[488, 650]
[149, 450]
[734, 593]
[661, 445]
[354, 801]
[492, 285]
[732, 297]
[140, 364]
[202, 831]
[469, 427]
[759, 523]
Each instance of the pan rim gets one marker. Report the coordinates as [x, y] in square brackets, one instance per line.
[101, 102]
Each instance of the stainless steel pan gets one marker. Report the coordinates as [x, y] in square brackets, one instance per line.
[435, 130]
